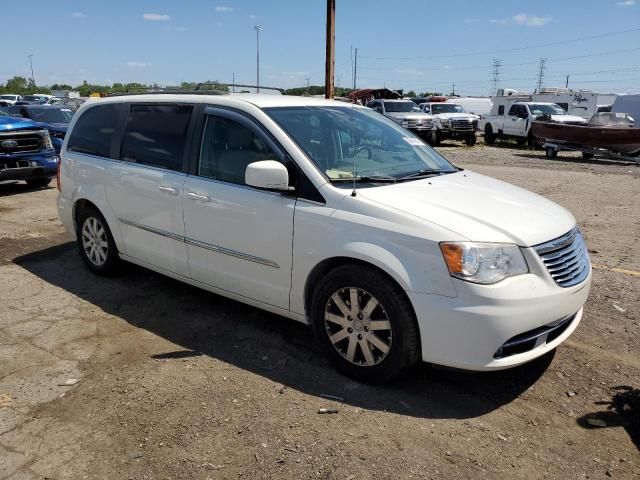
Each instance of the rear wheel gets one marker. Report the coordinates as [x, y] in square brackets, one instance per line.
[38, 182]
[587, 155]
[551, 152]
[364, 323]
[95, 242]
[470, 141]
[489, 136]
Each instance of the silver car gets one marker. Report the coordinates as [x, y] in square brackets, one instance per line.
[407, 114]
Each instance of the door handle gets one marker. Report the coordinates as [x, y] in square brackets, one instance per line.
[169, 190]
[197, 196]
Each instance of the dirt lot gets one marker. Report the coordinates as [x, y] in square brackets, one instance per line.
[173, 382]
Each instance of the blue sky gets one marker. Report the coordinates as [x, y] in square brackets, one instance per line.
[411, 44]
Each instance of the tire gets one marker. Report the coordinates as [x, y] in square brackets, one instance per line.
[92, 230]
[550, 152]
[587, 155]
[470, 141]
[520, 141]
[533, 142]
[38, 182]
[489, 136]
[433, 139]
[351, 334]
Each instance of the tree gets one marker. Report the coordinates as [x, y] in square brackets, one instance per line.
[17, 85]
[410, 93]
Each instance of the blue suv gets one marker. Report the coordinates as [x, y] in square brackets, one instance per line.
[26, 152]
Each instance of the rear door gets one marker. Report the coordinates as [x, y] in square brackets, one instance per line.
[239, 238]
[145, 189]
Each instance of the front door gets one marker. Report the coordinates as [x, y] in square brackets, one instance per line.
[238, 238]
[145, 189]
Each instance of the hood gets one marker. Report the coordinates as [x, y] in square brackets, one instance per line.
[449, 116]
[568, 119]
[478, 208]
[15, 123]
[408, 116]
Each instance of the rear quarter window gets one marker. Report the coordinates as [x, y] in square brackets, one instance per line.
[94, 130]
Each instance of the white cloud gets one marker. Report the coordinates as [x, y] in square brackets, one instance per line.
[499, 21]
[627, 3]
[409, 71]
[530, 20]
[156, 17]
[138, 64]
[78, 15]
[224, 8]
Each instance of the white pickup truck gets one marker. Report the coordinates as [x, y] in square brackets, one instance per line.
[509, 119]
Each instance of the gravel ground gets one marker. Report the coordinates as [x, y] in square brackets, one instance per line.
[167, 381]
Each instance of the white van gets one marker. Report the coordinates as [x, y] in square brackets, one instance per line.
[475, 105]
[329, 214]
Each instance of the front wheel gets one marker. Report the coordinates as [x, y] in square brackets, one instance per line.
[489, 136]
[38, 182]
[364, 323]
[470, 141]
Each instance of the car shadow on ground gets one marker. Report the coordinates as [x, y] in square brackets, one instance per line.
[16, 188]
[274, 347]
[622, 411]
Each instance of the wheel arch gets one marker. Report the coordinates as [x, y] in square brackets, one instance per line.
[327, 265]
[81, 204]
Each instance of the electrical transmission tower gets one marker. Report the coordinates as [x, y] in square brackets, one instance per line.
[541, 67]
[495, 79]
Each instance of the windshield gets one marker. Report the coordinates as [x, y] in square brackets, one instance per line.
[51, 115]
[401, 107]
[8, 97]
[337, 138]
[542, 109]
[446, 108]
[32, 98]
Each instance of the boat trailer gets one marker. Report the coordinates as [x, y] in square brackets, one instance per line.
[552, 147]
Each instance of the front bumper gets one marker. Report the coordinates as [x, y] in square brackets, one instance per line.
[28, 166]
[470, 331]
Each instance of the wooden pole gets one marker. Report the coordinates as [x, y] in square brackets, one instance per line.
[330, 54]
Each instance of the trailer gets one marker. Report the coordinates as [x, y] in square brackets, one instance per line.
[552, 147]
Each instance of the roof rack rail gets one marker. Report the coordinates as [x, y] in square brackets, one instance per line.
[200, 89]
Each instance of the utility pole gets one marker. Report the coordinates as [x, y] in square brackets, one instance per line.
[330, 53]
[566, 84]
[453, 89]
[495, 80]
[541, 73]
[233, 83]
[355, 69]
[33, 80]
[307, 78]
[257, 28]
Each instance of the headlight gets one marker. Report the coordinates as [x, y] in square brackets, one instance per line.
[47, 140]
[445, 121]
[483, 263]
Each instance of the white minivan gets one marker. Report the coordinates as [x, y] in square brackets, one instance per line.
[329, 214]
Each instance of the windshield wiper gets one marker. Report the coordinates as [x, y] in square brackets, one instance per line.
[424, 173]
[366, 179]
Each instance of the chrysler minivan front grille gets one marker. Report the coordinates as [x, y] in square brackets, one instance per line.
[566, 258]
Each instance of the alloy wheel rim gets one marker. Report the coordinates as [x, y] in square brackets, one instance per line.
[94, 241]
[358, 326]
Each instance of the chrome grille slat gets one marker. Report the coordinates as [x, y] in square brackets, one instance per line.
[566, 258]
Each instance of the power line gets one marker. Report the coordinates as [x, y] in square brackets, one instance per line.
[528, 47]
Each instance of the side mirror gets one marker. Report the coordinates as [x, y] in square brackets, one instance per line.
[379, 110]
[267, 174]
[524, 115]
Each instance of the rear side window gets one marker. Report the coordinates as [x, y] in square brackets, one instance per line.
[93, 132]
[155, 135]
